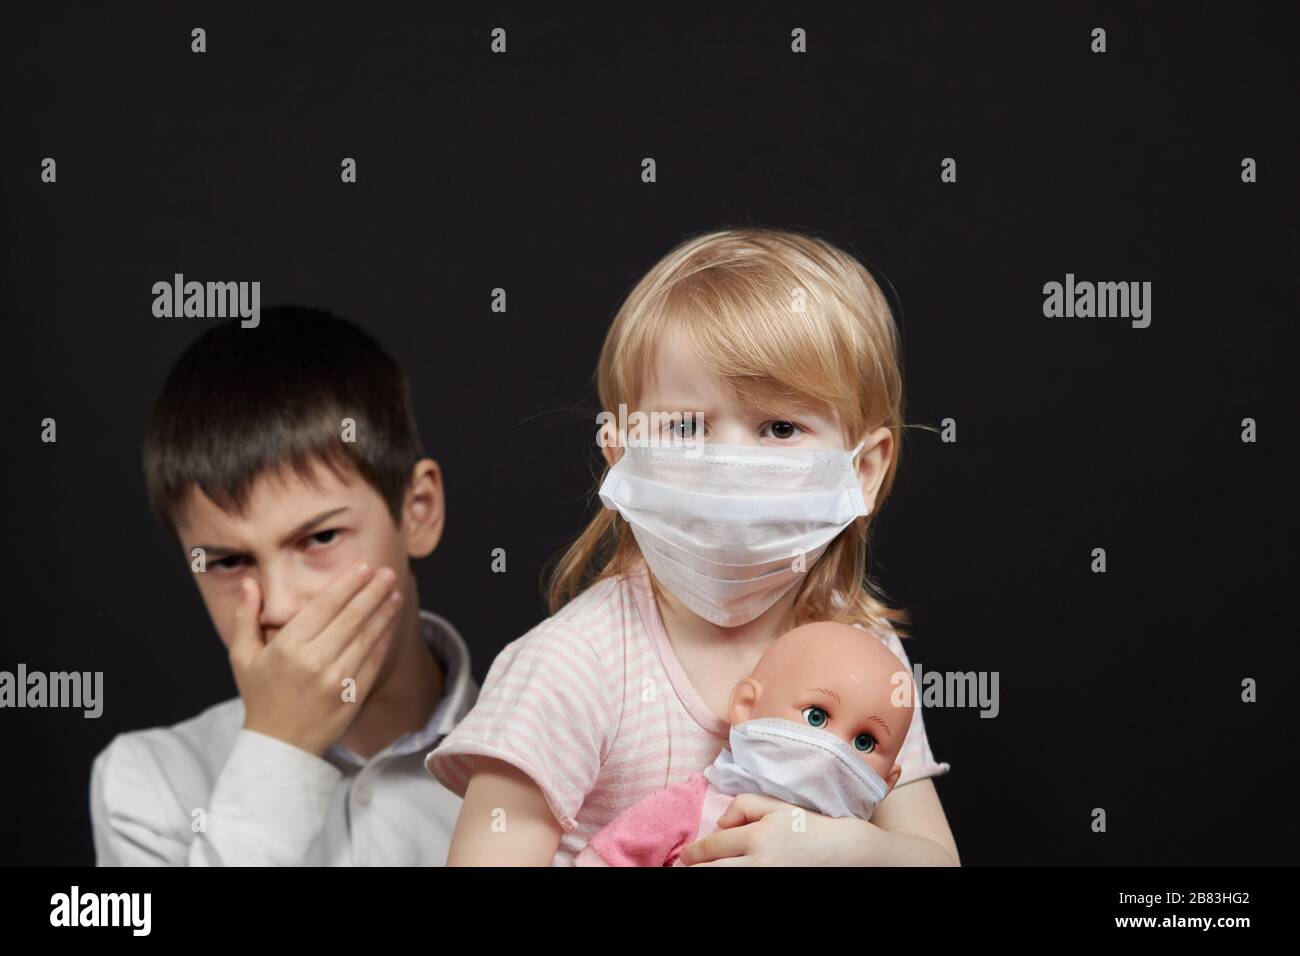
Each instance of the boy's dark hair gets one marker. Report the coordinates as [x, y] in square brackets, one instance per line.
[243, 401]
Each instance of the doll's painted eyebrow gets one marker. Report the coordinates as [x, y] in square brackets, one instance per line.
[219, 554]
[883, 726]
[828, 692]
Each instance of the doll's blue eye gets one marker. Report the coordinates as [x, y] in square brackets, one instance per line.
[865, 742]
[815, 716]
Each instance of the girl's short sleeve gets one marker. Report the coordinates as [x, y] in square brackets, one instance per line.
[915, 756]
[545, 708]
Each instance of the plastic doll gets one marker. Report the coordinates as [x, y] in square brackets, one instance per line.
[818, 724]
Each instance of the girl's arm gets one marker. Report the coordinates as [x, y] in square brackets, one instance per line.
[504, 820]
[908, 828]
[914, 811]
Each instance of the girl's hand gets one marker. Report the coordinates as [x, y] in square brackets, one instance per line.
[758, 830]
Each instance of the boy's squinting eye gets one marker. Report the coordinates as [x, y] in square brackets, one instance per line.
[865, 742]
[313, 542]
[323, 538]
[815, 716]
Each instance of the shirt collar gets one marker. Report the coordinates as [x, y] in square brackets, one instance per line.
[458, 694]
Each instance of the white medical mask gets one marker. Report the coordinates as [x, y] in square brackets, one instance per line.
[799, 764]
[729, 529]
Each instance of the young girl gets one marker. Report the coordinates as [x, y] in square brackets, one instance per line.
[767, 363]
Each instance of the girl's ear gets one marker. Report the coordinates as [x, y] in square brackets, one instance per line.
[873, 463]
[609, 446]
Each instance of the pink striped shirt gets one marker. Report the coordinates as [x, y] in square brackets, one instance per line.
[594, 706]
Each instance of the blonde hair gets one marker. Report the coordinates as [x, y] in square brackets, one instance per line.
[736, 295]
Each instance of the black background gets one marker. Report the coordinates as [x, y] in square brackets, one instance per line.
[1118, 690]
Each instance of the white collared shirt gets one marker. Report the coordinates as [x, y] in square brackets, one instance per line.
[207, 792]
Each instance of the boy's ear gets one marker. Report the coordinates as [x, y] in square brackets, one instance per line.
[425, 510]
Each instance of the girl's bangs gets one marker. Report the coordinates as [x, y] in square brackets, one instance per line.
[765, 351]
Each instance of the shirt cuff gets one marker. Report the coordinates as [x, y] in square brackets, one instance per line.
[275, 796]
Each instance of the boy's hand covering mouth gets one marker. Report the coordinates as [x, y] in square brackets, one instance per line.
[293, 684]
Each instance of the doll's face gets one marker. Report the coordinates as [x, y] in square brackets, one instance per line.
[838, 679]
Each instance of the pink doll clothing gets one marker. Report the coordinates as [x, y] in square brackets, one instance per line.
[655, 830]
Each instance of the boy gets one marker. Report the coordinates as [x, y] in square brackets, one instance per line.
[286, 461]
